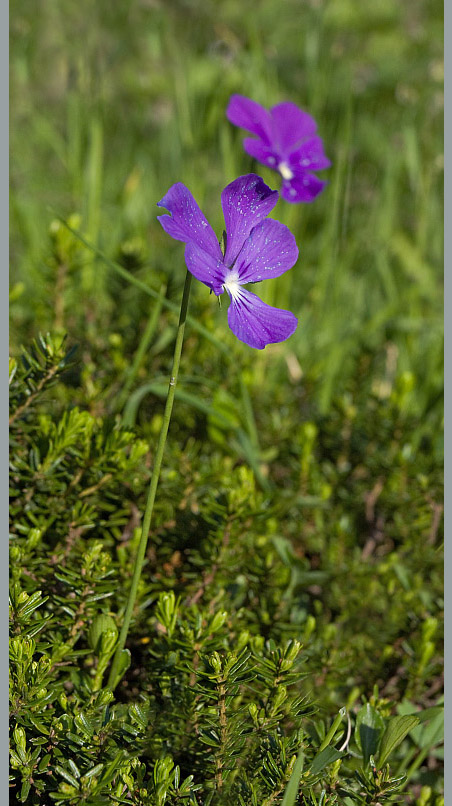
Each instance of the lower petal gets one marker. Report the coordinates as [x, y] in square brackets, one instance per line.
[303, 187]
[256, 323]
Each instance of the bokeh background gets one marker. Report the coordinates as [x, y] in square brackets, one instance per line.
[111, 105]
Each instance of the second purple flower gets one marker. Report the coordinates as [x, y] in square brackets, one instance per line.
[285, 140]
[256, 248]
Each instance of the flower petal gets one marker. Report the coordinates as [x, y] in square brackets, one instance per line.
[310, 156]
[260, 152]
[245, 202]
[205, 267]
[304, 187]
[251, 116]
[291, 126]
[256, 323]
[269, 251]
[187, 222]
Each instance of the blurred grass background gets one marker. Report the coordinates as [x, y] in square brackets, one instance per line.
[112, 104]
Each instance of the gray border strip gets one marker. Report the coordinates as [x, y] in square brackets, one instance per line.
[448, 362]
[4, 217]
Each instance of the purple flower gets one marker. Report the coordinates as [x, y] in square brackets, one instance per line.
[285, 141]
[256, 248]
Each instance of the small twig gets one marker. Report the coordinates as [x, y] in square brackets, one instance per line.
[31, 397]
[371, 499]
[223, 734]
[95, 487]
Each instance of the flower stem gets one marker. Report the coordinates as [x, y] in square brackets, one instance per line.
[115, 667]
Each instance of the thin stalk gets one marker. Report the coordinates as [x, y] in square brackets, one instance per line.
[112, 679]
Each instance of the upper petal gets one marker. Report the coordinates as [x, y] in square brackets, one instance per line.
[251, 116]
[291, 126]
[269, 251]
[258, 324]
[310, 156]
[261, 152]
[204, 267]
[245, 202]
[303, 187]
[187, 222]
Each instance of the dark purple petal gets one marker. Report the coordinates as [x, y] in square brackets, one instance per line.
[291, 126]
[256, 323]
[269, 251]
[187, 222]
[310, 156]
[251, 116]
[260, 152]
[303, 187]
[245, 202]
[205, 267]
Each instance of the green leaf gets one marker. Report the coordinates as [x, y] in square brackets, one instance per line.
[67, 776]
[368, 730]
[429, 713]
[93, 771]
[433, 733]
[124, 662]
[322, 759]
[110, 770]
[398, 728]
[294, 781]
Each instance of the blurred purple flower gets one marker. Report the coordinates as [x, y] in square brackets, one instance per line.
[256, 248]
[285, 141]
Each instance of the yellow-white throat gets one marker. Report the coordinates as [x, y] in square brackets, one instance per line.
[232, 285]
[285, 171]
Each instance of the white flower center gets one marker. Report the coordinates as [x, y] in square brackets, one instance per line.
[285, 171]
[232, 285]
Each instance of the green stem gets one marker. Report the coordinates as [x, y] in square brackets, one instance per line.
[113, 677]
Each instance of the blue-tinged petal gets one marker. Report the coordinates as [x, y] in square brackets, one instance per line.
[269, 251]
[245, 202]
[256, 323]
[187, 222]
[310, 156]
[249, 115]
[303, 187]
[291, 126]
[205, 267]
[260, 152]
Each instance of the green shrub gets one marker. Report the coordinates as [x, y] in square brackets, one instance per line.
[242, 632]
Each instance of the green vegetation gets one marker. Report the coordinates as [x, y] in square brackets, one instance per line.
[286, 643]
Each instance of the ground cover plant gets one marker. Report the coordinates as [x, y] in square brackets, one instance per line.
[285, 643]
